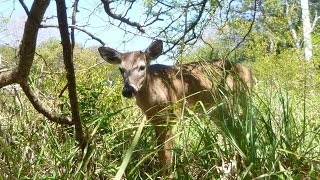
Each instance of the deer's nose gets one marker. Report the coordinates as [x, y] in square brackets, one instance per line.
[128, 91]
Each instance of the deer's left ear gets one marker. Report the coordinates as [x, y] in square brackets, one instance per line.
[154, 50]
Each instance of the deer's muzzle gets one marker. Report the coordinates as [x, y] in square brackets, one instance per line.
[128, 91]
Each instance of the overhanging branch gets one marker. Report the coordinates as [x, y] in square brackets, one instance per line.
[28, 45]
[29, 40]
[41, 109]
[77, 28]
[27, 51]
[106, 5]
[8, 77]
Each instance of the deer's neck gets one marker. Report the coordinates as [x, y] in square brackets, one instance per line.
[142, 96]
[156, 90]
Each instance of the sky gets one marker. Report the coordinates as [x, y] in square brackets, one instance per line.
[91, 17]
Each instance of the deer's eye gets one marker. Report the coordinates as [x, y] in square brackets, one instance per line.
[142, 68]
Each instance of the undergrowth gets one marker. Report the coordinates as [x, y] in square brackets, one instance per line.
[278, 137]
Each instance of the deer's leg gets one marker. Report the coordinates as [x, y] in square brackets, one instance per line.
[165, 144]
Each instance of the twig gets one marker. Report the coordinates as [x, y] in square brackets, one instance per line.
[63, 90]
[88, 68]
[77, 28]
[249, 30]
[41, 109]
[155, 19]
[106, 5]
[73, 21]
[190, 28]
[25, 7]
[207, 43]
[67, 58]
[88, 33]
[44, 60]
[127, 11]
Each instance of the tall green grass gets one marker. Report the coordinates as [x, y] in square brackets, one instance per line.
[275, 139]
[272, 140]
[278, 137]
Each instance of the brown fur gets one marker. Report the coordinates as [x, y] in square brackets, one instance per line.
[159, 87]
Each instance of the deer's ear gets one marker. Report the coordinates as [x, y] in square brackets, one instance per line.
[110, 55]
[154, 50]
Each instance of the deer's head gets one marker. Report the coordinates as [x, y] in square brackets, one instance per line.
[132, 65]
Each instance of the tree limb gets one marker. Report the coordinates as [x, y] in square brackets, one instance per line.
[155, 19]
[67, 58]
[77, 28]
[24, 7]
[27, 51]
[41, 109]
[249, 30]
[8, 77]
[29, 40]
[73, 21]
[190, 28]
[28, 45]
[314, 23]
[106, 5]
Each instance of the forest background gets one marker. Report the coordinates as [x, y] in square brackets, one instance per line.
[62, 115]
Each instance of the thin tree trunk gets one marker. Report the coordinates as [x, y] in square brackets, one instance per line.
[292, 30]
[68, 62]
[306, 30]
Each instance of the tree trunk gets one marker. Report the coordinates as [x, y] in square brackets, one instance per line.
[292, 30]
[306, 30]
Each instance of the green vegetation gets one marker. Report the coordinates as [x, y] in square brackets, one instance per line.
[279, 137]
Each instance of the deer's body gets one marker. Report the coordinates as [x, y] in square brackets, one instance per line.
[165, 85]
[157, 87]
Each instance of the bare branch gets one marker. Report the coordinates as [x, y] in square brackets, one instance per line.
[67, 58]
[209, 44]
[24, 7]
[7, 77]
[28, 43]
[190, 28]
[106, 5]
[88, 33]
[170, 24]
[127, 11]
[316, 18]
[249, 30]
[165, 4]
[27, 47]
[63, 90]
[77, 28]
[41, 109]
[155, 19]
[73, 21]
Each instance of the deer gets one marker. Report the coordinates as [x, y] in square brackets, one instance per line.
[157, 87]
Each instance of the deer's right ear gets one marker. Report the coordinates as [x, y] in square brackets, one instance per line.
[110, 55]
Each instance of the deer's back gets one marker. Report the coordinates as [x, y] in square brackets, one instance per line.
[197, 81]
